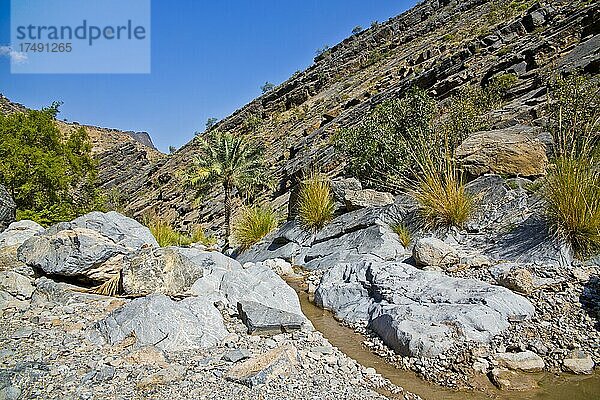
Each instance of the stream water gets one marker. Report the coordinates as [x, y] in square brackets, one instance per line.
[551, 387]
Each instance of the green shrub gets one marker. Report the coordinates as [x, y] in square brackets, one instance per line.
[379, 149]
[51, 174]
[572, 194]
[253, 224]
[315, 201]
[404, 235]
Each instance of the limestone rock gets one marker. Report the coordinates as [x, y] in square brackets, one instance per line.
[17, 285]
[120, 229]
[279, 362]
[8, 208]
[340, 185]
[579, 362]
[511, 380]
[414, 311]
[355, 199]
[433, 252]
[511, 151]
[167, 324]
[19, 232]
[264, 298]
[517, 279]
[526, 361]
[280, 266]
[79, 253]
[91, 247]
[169, 270]
[261, 319]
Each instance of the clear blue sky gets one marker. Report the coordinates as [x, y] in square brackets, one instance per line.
[208, 59]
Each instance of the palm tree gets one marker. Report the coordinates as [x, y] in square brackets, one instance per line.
[231, 161]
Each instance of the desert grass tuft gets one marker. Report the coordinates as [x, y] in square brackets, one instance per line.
[572, 194]
[404, 235]
[112, 287]
[253, 224]
[442, 197]
[315, 201]
[166, 235]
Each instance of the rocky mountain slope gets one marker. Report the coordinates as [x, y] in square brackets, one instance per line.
[124, 156]
[439, 45]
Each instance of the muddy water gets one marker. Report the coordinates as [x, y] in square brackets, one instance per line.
[551, 388]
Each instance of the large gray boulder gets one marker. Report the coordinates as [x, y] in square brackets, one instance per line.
[419, 313]
[265, 302]
[349, 237]
[120, 229]
[169, 325]
[171, 270]
[90, 248]
[8, 209]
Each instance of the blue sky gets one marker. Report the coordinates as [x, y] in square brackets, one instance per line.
[208, 59]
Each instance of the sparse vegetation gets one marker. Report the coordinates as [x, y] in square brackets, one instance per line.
[267, 87]
[322, 50]
[166, 235]
[572, 193]
[357, 29]
[315, 201]
[443, 200]
[210, 123]
[233, 162]
[379, 149]
[572, 187]
[574, 109]
[404, 235]
[253, 224]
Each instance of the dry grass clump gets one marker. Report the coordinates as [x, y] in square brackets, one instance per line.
[166, 235]
[572, 194]
[404, 235]
[442, 197]
[253, 224]
[315, 201]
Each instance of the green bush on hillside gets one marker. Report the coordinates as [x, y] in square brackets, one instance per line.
[50, 174]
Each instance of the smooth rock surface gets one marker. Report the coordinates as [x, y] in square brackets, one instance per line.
[16, 284]
[91, 247]
[261, 319]
[579, 363]
[169, 325]
[505, 379]
[19, 232]
[170, 270]
[355, 199]
[415, 311]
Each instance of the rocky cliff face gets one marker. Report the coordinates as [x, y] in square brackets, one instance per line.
[439, 45]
